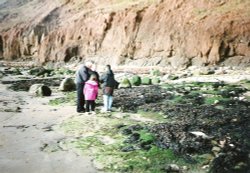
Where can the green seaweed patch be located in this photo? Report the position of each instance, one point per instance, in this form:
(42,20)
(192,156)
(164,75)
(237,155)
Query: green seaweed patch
(110,158)
(139,161)
(152,160)
(69,98)
(155,116)
(100,124)
(245,84)
(168,87)
(146,136)
(177,99)
(216,99)
(85,144)
(190,98)
(100,138)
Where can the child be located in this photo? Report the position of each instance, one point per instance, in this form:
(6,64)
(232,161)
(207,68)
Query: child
(90,92)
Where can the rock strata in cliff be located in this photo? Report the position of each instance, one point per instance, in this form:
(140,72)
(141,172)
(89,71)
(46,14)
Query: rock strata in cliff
(175,33)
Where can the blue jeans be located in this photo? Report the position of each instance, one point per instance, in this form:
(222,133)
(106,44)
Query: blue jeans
(107,101)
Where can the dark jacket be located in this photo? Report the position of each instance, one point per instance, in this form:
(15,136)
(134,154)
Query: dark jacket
(82,75)
(109,82)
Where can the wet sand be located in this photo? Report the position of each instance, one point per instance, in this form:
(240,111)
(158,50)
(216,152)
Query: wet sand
(24,124)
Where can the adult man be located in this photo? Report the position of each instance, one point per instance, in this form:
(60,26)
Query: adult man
(82,75)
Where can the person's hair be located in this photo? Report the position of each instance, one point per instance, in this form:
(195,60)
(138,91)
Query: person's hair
(93,77)
(108,67)
(89,63)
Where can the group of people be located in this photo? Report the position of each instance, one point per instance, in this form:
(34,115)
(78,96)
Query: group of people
(87,85)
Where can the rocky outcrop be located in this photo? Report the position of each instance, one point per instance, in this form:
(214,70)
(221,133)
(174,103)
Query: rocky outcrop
(175,33)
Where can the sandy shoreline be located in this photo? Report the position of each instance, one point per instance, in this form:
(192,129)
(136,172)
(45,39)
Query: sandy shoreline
(23,133)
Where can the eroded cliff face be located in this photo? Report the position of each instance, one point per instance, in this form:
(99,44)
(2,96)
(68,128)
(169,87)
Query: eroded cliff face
(175,33)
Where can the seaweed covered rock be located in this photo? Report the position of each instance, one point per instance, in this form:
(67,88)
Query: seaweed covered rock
(125,83)
(40,71)
(146,81)
(67,84)
(156,81)
(155,72)
(129,99)
(40,90)
(232,159)
(136,80)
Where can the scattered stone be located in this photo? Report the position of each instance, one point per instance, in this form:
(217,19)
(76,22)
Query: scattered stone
(136,127)
(172,168)
(206,71)
(125,83)
(146,81)
(136,80)
(126,131)
(173,77)
(17,126)
(156,81)
(119,126)
(145,145)
(18,109)
(67,84)
(128,149)
(40,90)
(205,167)
(133,138)
(40,71)
(48,128)
(216,150)
(155,72)
(200,134)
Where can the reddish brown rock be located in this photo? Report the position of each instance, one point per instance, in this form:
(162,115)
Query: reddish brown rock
(175,33)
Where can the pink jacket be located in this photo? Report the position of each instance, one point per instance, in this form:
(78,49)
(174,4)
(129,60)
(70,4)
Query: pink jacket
(90,90)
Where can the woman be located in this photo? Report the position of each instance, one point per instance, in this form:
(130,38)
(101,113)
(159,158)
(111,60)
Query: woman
(108,86)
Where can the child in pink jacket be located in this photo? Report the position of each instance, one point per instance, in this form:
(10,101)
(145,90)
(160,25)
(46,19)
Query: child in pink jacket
(90,92)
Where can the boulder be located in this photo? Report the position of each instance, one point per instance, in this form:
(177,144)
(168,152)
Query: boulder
(206,71)
(173,77)
(40,90)
(156,81)
(136,80)
(40,71)
(146,81)
(125,83)
(172,168)
(67,84)
(155,72)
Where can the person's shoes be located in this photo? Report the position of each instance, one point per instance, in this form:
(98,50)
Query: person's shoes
(80,111)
